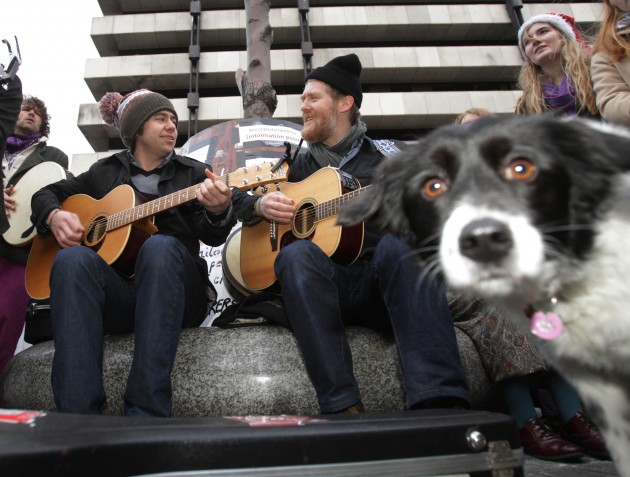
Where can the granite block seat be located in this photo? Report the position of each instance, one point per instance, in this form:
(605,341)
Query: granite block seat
(251,370)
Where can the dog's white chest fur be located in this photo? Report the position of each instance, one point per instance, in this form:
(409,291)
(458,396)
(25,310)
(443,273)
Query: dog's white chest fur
(596,308)
(593,302)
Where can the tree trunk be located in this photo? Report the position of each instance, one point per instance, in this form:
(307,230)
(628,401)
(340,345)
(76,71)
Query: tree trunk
(259,96)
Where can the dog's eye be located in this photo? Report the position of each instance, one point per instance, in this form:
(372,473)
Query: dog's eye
(433,188)
(520,170)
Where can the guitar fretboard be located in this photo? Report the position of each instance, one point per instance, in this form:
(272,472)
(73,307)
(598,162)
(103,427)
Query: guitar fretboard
(331,207)
(126,217)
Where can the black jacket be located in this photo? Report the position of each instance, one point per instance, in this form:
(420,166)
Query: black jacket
(10,103)
(189,222)
(42,153)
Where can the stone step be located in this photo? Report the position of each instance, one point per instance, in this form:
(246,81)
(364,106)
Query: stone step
(251,370)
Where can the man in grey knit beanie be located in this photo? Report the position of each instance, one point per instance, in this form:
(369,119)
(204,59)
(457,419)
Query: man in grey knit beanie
(130,112)
(165,285)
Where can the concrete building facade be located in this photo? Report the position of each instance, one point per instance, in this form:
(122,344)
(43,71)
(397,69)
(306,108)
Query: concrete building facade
(424,61)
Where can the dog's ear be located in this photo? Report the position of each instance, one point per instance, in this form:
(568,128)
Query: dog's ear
(593,155)
(382,201)
(607,142)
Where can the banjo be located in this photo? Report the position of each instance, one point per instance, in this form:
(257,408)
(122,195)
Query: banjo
(21,230)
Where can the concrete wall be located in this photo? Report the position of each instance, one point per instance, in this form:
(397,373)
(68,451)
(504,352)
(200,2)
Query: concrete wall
(424,62)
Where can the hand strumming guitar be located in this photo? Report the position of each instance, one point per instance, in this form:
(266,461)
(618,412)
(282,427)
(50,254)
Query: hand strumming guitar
(276,206)
(66,227)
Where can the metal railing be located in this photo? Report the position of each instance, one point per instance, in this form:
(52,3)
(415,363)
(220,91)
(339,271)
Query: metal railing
(305,37)
(194,54)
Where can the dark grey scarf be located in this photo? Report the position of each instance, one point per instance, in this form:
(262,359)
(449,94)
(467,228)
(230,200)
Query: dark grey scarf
(332,156)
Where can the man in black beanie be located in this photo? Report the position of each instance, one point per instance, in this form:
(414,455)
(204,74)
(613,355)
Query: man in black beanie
(167,286)
(380,289)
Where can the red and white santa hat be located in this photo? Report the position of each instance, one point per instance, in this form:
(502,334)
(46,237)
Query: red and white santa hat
(565,24)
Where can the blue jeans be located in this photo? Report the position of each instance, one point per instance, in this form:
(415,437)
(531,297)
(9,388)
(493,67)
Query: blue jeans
(321,296)
(89,299)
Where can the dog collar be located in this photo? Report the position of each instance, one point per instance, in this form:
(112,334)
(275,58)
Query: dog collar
(547,325)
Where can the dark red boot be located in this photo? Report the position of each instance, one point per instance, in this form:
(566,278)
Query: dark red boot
(541,442)
(581,431)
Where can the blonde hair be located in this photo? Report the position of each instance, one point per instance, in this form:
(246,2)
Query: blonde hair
(479,112)
(576,65)
(609,40)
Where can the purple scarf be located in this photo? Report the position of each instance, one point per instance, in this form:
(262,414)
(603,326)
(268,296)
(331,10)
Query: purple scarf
(17,142)
(561,99)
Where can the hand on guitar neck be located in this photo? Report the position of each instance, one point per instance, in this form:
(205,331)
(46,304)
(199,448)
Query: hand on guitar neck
(214,194)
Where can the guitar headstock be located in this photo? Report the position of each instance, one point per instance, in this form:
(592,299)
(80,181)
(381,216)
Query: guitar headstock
(257,175)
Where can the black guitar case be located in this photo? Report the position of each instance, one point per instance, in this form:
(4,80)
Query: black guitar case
(37,325)
(418,443)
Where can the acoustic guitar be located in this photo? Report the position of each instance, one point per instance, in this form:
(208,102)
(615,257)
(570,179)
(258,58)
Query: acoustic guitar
(116,227)
(318,199)
(21,230)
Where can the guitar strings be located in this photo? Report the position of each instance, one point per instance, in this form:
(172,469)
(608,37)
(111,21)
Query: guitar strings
(319,210)
(119,219)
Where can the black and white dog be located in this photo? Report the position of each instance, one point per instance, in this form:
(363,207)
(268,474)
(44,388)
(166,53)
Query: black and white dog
(532,214)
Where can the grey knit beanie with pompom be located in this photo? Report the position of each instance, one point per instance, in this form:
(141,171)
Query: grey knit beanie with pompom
(128,113)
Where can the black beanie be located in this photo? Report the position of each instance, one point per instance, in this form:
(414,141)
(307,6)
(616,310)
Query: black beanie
(342,73)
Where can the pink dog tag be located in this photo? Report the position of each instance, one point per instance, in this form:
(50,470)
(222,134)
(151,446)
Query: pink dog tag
(546,326)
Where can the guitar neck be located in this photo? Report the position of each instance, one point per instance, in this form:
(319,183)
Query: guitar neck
(148,209)
(331,207)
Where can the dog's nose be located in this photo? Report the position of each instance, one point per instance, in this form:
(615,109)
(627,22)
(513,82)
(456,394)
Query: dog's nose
(485,240)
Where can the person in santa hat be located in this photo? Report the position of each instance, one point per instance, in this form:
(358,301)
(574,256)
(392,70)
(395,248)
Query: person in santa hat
(555,76)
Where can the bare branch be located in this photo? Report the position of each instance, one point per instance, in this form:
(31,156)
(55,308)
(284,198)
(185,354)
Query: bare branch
(259,96)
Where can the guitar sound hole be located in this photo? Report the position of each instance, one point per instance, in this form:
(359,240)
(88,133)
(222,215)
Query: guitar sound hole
(304,220)
(96,231)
